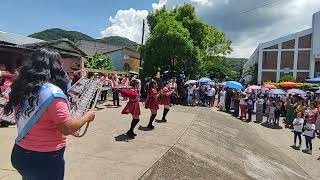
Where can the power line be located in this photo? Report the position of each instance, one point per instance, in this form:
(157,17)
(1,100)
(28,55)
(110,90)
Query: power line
(261,6)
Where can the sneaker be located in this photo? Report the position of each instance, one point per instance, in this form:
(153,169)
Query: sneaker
(164,120)
(299,146)
(309,152)
(150,126)
(293,146)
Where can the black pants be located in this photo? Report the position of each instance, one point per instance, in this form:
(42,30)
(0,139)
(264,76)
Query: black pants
(236,109)
(104,95)
(250,114)
(227,104)
(33,165)
(308,142)
(297,134)
(115,97)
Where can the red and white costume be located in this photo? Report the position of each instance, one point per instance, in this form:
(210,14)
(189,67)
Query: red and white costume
(133,106)
(152,100)
(165,98)
(125,81)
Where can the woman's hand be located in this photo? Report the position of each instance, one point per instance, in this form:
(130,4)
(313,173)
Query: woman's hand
(73,125)
(90,116)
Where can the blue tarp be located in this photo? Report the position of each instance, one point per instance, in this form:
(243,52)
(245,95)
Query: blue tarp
(313,80)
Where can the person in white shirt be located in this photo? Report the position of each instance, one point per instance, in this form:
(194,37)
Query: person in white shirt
(297,129)
(191,89)
(309,134)
(211,94)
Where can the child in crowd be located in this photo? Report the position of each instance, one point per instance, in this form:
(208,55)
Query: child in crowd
(243,107)
(250,107)
(309,134)
(271,115)
(297,127)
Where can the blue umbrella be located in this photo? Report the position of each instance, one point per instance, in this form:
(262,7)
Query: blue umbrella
(313,80)
(234,85)
(297,92)
(277,92)
(204,80)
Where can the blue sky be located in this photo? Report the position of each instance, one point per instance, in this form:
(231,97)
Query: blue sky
(90,17)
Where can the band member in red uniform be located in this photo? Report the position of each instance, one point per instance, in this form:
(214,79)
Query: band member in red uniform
(132,107)
(152,102)
(165,99)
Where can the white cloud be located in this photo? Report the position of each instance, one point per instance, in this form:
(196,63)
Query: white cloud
(159,5)
(256,25)
(126,23)
(202,2)
(245,30)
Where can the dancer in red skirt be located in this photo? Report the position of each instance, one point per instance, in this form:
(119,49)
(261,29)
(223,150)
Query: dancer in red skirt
(132,107)
(152,102)
(165,99)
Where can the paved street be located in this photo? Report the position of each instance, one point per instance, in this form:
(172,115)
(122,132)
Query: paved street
(196,143)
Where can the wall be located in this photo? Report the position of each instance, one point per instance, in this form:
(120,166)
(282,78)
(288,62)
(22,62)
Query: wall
(70,62)
(117,59)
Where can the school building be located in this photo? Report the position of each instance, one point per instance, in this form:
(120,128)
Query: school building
(297,55)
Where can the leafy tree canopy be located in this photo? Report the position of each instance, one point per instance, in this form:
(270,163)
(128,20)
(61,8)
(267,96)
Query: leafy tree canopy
(99,61)
(180,41)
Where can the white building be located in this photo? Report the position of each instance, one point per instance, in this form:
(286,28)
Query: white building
(297,55)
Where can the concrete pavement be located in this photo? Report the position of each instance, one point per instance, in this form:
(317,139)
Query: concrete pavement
(196,143)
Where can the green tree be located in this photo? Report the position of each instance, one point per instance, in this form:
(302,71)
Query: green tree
(169,47)
(179,40)
(288,78)
(99,61)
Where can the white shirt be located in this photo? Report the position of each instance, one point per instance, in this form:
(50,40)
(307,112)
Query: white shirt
(298,124)
(309,130)
(211,92)
(191,90)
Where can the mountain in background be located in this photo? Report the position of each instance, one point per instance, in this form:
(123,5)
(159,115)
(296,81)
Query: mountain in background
(236,64)
(56,33)
(118,41)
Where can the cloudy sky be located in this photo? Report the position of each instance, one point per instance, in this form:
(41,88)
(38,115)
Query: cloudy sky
(245,22)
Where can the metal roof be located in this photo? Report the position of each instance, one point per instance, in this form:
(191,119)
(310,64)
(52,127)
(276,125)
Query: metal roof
(16,39)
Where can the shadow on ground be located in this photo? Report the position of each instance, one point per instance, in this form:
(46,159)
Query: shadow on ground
(123,137)
(271,126)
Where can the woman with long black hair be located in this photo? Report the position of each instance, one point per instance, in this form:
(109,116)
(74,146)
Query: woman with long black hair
(39,101)
(152,102)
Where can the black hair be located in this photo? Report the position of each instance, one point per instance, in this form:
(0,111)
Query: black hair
(151,84)
(44,66)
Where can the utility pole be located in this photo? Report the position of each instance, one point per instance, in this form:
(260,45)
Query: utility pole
(142,39)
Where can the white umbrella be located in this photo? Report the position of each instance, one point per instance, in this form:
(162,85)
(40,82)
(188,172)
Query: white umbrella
(191,82)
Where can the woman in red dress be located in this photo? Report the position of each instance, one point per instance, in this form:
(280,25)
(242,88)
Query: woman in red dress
(152,102)
(165,99)
(132,107)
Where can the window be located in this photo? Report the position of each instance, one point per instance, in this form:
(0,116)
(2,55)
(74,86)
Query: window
(269,76)
(288,44)
(305,41)
(303,60)
(287,59)
(272,47)
(269,60)
(302,76)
